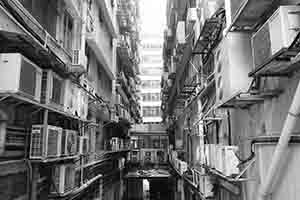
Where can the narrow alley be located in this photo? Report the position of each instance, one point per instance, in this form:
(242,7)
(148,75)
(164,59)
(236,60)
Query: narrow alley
(149,99)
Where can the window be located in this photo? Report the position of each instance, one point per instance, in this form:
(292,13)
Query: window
(67,31)
(151,97)
(151,111)
(151,84)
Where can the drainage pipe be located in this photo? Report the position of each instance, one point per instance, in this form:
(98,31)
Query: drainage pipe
(281,148)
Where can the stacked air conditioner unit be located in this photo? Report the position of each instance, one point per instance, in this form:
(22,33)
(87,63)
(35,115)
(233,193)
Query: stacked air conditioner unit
(45,142)
(206,186)
(161,156)
(63,177)
(69,142)
(219,162)
(192,14)
(277,34)
(233,56)
(118,99)
(20,75)
(183,167)
(231,161)
(53,89)
(115,143)
(121,163)
(180,32)
(134,156)
(222,158)
(87,85)
(71,97)
(83,100)
(148,156)
(212,148)
(79,62)
(203,182)
(83,145)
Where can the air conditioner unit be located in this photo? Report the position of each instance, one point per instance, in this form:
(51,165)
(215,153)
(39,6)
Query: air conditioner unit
(161,156)
(83,145)
(20,75)
(230,161)
(169,32)
(118,99)
(83,101)
(134,156)
(183,167)
(212,155)
(69,142)
(180,32)
(192,14)
(79,61)
(115,144)
(208,187)
(78,176)
(277,34)
(148,156)
(88,86)
(45,142)
(219,158)
(233,62)
(53,89)
(63,177)
(70,97)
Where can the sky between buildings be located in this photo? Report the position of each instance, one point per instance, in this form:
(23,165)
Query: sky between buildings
(153,17)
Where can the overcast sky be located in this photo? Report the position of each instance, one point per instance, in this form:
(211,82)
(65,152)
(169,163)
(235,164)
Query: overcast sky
(153,17)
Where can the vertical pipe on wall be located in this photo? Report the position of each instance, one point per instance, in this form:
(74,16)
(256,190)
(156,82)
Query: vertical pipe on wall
(275,170)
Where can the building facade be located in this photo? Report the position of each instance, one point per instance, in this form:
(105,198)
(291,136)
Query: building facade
(151,69)
(229,88)
(64,123)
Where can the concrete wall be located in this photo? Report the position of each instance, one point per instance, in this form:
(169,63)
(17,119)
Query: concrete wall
(263,119)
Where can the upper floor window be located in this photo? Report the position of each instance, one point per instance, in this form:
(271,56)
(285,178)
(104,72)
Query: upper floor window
(68,30)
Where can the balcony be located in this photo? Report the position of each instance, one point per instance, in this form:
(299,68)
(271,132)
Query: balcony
(99,41)
(249,14)
(27,36)
(209,35)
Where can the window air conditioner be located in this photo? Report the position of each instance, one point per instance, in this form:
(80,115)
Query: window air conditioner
(233,62)
(277,34)
(83,145)
(192,14)
(45,141)
(83,100)
(20,75)
(71,97)
(53,89)
(79,61)
(69,142)
(180,32)
(230,161)
(63,178)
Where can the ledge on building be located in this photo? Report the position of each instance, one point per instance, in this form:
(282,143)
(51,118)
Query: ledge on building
(283,63)
(245,100)
(251,14)
(18,99)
